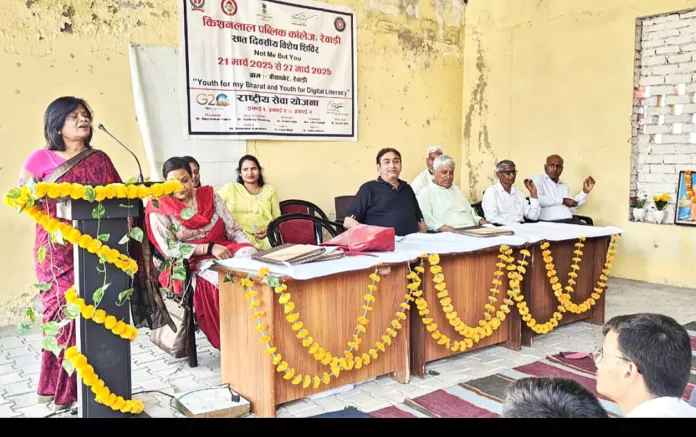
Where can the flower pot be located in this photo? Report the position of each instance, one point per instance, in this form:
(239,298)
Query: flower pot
(659,215)
(638,214)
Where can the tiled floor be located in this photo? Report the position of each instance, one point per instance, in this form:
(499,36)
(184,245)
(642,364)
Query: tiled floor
(155,370)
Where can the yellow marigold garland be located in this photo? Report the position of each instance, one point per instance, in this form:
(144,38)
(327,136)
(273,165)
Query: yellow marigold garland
(348,361)
(564,298)
(488,324)
(125,263)
(515,295)
(98,387)
(20,197)
(288,371)
(89,312)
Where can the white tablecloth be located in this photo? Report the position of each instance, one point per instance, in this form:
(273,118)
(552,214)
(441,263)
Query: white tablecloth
(412,246)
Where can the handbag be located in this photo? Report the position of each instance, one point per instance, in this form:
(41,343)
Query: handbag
(364,238)
(175,343)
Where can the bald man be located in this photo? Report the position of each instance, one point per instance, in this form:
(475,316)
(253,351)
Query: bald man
(554,194)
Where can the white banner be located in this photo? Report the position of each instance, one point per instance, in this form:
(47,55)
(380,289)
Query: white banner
(270,69)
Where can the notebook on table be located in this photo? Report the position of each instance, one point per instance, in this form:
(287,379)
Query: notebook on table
(295,254)
(483,231)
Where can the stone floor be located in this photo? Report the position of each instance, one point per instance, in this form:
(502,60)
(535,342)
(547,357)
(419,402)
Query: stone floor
(155,370)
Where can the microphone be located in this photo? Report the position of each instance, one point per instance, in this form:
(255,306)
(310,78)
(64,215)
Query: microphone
(140,170)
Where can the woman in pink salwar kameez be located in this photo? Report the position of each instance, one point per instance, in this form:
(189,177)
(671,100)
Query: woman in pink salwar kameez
(68,157)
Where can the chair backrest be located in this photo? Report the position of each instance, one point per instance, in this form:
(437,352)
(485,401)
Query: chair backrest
(297,206)
(305,230)
(341,205)
(292,228)
(478,209)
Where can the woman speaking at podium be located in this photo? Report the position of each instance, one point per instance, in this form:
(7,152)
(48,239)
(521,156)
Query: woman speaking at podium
(67,157)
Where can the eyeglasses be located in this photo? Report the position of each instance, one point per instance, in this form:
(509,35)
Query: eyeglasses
(509,172)
(598,354)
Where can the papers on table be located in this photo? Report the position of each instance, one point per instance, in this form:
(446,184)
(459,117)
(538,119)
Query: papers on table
(409,248)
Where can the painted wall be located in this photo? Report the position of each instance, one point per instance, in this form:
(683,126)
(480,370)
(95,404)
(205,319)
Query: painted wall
(555,76)
(410,96)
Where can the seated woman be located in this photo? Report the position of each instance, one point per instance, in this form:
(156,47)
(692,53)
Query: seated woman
(252,202)
(198,218)
(195,170)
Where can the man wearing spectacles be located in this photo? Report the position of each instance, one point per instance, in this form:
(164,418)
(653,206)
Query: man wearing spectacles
(503,204)
(644,365)
(554,194)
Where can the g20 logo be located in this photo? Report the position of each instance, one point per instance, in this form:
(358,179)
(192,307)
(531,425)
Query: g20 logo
(204,99)
(229,7)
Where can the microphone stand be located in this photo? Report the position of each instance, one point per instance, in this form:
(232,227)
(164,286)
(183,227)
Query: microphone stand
(140,170)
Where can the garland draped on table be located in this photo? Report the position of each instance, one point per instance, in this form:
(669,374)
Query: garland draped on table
(492,320)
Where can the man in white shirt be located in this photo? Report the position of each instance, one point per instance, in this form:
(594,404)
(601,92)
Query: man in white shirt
(554,194)
(426,176)
(443,204)
(503,204)
(644,365)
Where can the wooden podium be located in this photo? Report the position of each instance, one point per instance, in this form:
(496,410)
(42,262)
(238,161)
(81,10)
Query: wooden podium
(109,354)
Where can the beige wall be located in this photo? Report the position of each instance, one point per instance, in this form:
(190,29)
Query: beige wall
(556,76)
(410,96)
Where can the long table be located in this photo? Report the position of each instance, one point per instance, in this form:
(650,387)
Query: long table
(329,296)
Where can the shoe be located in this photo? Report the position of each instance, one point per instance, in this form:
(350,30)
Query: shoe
(58,408)
(41,399)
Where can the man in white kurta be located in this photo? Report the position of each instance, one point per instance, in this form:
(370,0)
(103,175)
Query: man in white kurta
(554,194)
(503,204)
(425,177)
(443,204)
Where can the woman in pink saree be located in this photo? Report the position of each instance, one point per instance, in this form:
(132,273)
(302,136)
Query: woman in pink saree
(67,157)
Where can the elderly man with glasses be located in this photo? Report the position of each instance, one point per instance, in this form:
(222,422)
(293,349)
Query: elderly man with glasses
(644,365)
(554,194)
(503,204)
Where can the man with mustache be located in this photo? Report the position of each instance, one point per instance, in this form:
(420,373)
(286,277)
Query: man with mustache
(387,201)
(503,204)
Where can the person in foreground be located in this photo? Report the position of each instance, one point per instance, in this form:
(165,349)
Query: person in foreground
(195,170)
(387,201)
(644,365)
(443,204)
(252,202)
(551,398)
(503,204)
(67,158)
(195,217)
(554,194)
(426,176)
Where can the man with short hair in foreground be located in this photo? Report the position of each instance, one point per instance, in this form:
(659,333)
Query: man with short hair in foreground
(644,365)
(550,398)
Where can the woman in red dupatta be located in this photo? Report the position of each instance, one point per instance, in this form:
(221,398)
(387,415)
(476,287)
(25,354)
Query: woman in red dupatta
(208,227)
(68,158)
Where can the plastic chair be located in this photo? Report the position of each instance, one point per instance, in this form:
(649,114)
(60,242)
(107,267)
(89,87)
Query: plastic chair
(284,229)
